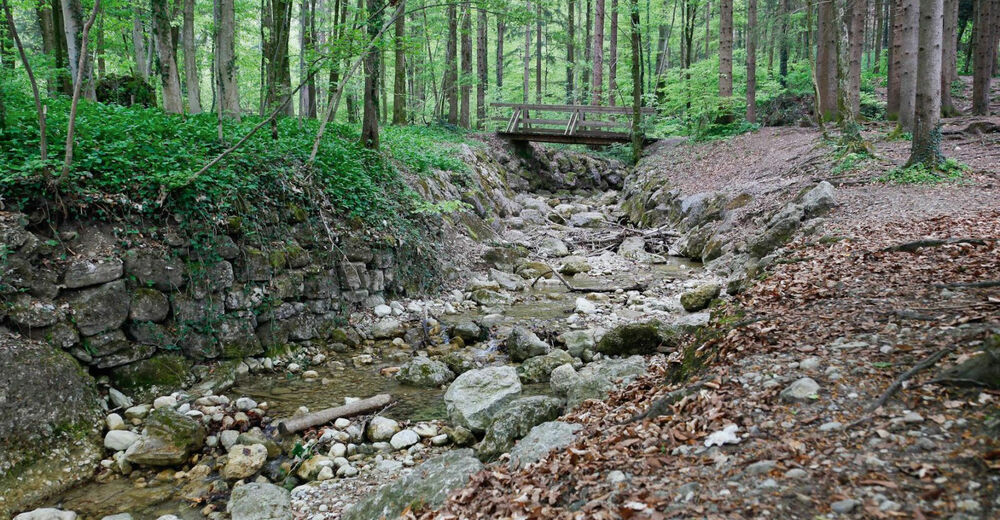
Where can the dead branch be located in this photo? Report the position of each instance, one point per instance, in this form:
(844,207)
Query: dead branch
(662,405)
(370,404)
(910,247)
(928,362)
(968,285)
(636,287)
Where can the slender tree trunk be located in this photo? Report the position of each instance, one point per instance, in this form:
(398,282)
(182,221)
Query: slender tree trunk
(894,59)
(139,46)
(613,55)
(985,56)
(191,60)
(172,102)
(908,64)
(39,109)
(855,22)
(78,83)
(307,48)
(949,56)
(73,23)
(826,60)
(501,29)
(598,52)
(50,45)
(450,83)
(466,77)
(752,61)
(369,121)
(527,58)
(783,43)
(708,25)
(588,48)
(725,48)
(225,59)
(879,31)
(399,78)
(925,146)
(482,68)
(101,62)
(570,58)
(277,25)
(637,136)
(538,52)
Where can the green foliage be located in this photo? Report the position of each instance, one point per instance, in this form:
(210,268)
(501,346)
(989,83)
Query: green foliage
(850,162)
(439,208)
(948,171)
(424,148)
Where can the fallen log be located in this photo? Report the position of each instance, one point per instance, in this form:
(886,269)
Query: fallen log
(910,247)
(371,404)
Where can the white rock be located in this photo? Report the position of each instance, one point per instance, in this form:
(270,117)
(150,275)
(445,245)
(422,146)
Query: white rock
(726,435)
(440,440)
(245,404)
(115,422)
(294,367)
(119,399)
(120,440)
(310,374)
(585,306)
(341,423)
(47,513)
(325,474)
(426,430)
(404,439)
(381,428)
(164,401)
(228,438)
(338,449)
(347,471)
(383,310)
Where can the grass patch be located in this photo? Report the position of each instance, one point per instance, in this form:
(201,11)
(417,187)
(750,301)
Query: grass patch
(948,171)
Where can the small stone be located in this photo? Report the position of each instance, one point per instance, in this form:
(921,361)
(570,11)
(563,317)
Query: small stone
(137,412)
(119,399)
(347,470)
(803,390)
(383,310)
(310,374)
(381,429)
(912,417)
(585,306)
(164,401)
(294,368)
(439,440)
(889,505)
(228,438)
(244,461)
(404,439)
(426,430)
(245,404)
(811,363)
(769,484)
(326,473)
(758,468)
(970,506)
(796,473)
(115,422)
(338,449)
(843,507)
(830,426)
(341,423)
(616,477)
(120,440)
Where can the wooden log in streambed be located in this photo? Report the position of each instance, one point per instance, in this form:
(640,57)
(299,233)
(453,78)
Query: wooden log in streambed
(371,404)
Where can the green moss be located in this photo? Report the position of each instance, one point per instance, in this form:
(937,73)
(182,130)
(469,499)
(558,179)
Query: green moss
(161,370)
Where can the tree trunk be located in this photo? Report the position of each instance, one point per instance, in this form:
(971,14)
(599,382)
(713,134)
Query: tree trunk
(925,148)
(752,61)
(369,121)
(708,23)
(848,41)
(879,31)
(587,49)
(598,53)
(278,15)
(225,59)
(538,52)
(450,84)
(139,46)
(73,24)
(949,56)
(570,58)
(985,55)
(172,102)
(307,48)
(783,43)
(894,59)
(826,60)
(637,136)
(482,68)
(908,64)
(855,22)
(613,55)
(191,60)
(726,48)
(399,78)
(501,28)
(101,62)
(53,45)
(526,87)
(466,77)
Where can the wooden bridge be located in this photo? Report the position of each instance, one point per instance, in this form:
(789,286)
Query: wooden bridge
(587,124)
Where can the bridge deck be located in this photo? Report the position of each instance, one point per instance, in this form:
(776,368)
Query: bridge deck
(587,124)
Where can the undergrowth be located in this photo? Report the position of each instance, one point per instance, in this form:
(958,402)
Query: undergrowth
(948,171)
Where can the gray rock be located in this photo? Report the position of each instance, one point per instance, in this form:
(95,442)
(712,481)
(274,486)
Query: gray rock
(587,219)
(29,312)
(552,247)
(243,461)
(100,308)
(170,438)
(523,344)
(477,395)
(577,341)
(120,440)
(699,297)
(490,298)
(388,328)
(150,269)
(119,516)
(802,390)
(818,200)
(47,513)
(842,507)
(468,331)
(404,439)
(381,429)
(515,421)
(421,371)
(85,273)
(562,378)
(600,377)
(541,440)
(506,281)
(538,368)
(760,467)
(638,338)
(428,484)
(259,501)
(573,265)
(148,305)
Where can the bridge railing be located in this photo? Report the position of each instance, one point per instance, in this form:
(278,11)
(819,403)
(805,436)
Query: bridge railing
(566,122)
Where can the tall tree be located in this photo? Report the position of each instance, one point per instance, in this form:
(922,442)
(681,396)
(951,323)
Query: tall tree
(139,45)
(826,59)
(570,58)
(167,59)
(908,63)
(501,29)
(482,67)
(369,121)
(987,15)
(894,59)
(538,51)
(449,85)
(191,60)
(50,25)
(726,48)
(854,20)
(752,61)
(783,42)
(637,136)
(879,26)
(598,52)
(949,56)
(276,25)
(527,57)
(72,15)
(226,86)
(307,51)
(613,55)
(925,147)
(466,77)
(399,78)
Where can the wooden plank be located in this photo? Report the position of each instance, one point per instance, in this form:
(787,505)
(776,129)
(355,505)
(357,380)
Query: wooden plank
(581,108)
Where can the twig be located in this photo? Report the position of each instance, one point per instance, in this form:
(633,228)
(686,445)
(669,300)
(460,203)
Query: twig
(973,285)
(936,242)
(928,362)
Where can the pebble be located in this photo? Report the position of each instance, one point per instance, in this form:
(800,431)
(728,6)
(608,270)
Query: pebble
(616,477)
(310,374)
(811,363)
(830,426)
(761,467)
(338,450)
(115,422)
(769,484)
(294,367)
(844,506)
(164,401)
(585,306)
(245,404)
(383,310)
(326,473)
(228,438)
(439,440)
(137,412)
(341,423)
(889,505)
(802,390)
(119,399)
(426,430)
(347,471)
(796,473)
(912,417)
(120,440)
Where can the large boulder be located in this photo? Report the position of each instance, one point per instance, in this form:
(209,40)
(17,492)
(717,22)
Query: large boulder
(541,440)
(388,328)
(84,273)
(259,501)
(818,200)
(429,484)
(573,264)
(523,344)
(169,438)
(538,368)
(698,298)
(578,341)
(600,377)
(100,308)
(552,247)
(638,338)
(515,421)
(587,219)
(477,395)
(422,371)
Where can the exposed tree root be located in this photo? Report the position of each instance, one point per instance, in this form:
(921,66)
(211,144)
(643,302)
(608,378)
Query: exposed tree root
(928,362)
